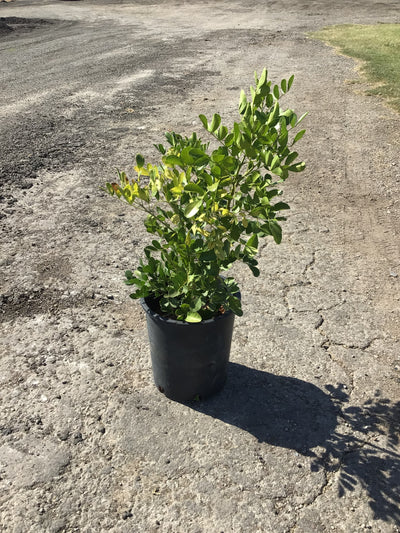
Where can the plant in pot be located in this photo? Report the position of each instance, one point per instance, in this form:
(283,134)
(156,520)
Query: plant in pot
(208,208)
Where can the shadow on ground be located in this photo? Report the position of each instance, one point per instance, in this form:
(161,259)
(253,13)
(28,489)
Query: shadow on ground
(291,413)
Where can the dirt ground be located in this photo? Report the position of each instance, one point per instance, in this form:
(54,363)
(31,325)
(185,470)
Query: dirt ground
(305,436)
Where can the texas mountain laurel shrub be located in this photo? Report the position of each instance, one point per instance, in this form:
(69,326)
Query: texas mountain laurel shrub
(210,208)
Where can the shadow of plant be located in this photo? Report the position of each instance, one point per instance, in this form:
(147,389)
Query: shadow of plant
(354,452)
(291,413)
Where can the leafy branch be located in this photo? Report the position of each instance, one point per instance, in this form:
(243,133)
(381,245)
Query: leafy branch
(209,210)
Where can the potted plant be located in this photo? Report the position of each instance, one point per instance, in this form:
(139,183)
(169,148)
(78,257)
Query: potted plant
(207,208)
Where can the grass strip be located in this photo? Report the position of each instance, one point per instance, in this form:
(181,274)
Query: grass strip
(378,48)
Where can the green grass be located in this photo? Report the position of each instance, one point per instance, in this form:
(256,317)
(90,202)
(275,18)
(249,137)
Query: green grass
(378,48)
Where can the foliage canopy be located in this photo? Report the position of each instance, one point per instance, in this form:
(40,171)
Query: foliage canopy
(209,209)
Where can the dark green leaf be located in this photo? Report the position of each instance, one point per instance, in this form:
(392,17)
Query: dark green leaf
(235,232)
(299,167)
(169,137)
(160,148)
(255,270)
(290,158)
(208,256)
(279,206)
(235,305)
(276,231)
(139,160)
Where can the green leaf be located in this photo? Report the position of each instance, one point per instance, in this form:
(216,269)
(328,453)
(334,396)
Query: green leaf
(263,78)
(290,158)
(128,274)
(275,162)
(276,231)
(193,187)
(237,133)
(273,116)
(242,102)
(201,161)
(193,208)
(186,156)
(169,137)
(277,171)
(208,256)
(139,160)
(235,232)
(193,317)
(279,206)
(250,151)
(172,160)
(276,92)
(290,81)
(235,305)
(293,120)
(284,85)
(160,148)
(301,118)
(216,171)
(255,270)
(299,167)
(216,121)
(217,157)
(222,133)
(204,121)
(213,187)
(299,136)
(229,139)
(252,243)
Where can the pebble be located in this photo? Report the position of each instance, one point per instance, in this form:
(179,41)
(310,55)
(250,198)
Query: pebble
(63,434)
(78,437)
(101,429)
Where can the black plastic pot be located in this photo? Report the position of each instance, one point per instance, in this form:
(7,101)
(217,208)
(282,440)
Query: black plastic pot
(189,360)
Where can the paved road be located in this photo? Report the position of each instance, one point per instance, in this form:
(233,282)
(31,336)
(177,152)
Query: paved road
(304,438)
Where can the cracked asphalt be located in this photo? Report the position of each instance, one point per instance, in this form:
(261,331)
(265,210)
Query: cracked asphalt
(305,436)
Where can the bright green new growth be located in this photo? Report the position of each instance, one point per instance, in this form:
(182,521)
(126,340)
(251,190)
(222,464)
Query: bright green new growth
(210,210)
